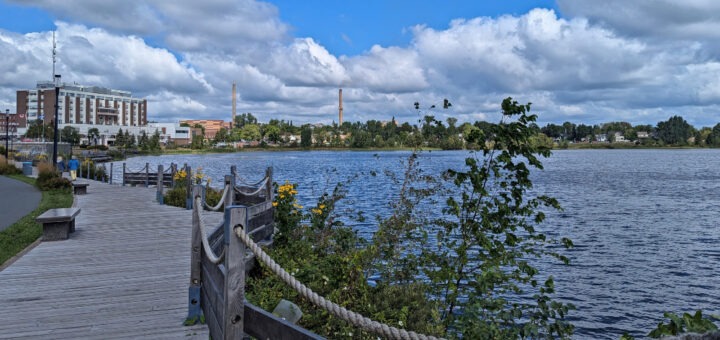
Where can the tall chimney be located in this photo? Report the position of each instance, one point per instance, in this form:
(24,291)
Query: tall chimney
(340,109)
(234,105)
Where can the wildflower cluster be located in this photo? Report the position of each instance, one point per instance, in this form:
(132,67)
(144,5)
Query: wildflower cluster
(181,177)
(288,212)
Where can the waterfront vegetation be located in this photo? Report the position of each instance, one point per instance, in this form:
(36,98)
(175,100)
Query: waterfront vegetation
(26,231)
(467,272)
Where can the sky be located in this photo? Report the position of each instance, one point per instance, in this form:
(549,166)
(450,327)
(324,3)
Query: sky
(583,61)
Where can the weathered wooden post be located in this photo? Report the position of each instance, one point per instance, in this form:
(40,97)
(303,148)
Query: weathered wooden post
(88,170)
(160,184)
(194,310)
(234,309)
(188,186)
(230,197)
(112,165)
(123,175)
(147,175)
(269,184)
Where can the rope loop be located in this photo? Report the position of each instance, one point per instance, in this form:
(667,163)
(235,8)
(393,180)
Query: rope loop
(203,234)
(220,203)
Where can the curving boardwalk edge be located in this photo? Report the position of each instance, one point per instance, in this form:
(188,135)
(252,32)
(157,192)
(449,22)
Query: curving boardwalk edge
(123,274)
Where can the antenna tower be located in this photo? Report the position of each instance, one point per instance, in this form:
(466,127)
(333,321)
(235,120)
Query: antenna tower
(54,54)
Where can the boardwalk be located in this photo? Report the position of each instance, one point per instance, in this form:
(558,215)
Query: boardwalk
(123,274)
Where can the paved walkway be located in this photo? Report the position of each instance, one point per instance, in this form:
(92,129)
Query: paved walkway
(17,199)
(123,274)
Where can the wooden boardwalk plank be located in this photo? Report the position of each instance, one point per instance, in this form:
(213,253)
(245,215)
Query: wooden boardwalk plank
(123,274)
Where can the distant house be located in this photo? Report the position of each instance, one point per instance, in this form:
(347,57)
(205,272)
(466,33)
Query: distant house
(601,137)
(643,134)
(619,138)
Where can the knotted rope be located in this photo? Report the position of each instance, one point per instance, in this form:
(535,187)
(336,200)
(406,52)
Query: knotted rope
(337,310)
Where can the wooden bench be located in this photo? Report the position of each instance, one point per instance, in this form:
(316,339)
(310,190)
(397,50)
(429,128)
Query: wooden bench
(80,188)
(58,223)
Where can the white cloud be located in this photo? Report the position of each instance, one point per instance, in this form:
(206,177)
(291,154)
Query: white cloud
(637,61)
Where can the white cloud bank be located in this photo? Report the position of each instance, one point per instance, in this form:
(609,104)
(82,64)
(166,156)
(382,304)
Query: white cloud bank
(602,61)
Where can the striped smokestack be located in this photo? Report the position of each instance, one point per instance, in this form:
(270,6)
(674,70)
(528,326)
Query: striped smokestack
(340,109)
(234,103)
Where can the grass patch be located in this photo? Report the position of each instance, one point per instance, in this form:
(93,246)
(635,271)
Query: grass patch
(25,231)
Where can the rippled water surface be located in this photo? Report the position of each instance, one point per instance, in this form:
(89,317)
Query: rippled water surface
(644,222)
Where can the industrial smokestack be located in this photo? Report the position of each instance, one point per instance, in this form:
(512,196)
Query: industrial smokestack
(340,109)
(234,105)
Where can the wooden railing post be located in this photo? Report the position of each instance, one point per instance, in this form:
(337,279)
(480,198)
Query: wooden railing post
(147,175)
(194,310)
(160,184)
(269,184)
(189,185)
(87,175)
(112,165)
(123,175)
(230,197)
(173,170)
(235,217)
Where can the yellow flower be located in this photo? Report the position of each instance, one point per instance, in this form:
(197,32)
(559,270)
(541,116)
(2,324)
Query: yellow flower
(275,204)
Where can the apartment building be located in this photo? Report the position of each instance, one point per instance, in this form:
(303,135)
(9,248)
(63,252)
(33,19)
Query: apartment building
(84,107)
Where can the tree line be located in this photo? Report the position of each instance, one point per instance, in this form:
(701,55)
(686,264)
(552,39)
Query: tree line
(449,135)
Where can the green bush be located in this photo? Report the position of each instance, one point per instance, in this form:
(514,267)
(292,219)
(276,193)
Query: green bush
(49,179)
(176,197)
(687,323)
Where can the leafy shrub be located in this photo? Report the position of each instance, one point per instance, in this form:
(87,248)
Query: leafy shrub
(330,258)
(688,323)
(176,197)
(212,196)
(49,179)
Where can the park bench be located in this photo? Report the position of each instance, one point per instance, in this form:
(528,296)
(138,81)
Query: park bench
(58,223)
(80,188)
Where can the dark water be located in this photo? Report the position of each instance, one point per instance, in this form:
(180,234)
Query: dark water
(644,222)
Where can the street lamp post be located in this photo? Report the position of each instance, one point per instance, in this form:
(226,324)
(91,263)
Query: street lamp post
(7,134)
(55,137)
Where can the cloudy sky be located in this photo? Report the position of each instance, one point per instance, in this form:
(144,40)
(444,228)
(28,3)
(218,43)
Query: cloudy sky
(583,61)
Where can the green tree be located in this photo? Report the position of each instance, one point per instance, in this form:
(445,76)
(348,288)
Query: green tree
(221,136)
(70,134)
(478,264)
(143,142)
(120,139)
(272,132)
(154,142)
(306,136)
(675,131)
(250,132)
(713,139)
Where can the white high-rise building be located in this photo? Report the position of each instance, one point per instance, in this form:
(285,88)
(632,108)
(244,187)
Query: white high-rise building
(85,107)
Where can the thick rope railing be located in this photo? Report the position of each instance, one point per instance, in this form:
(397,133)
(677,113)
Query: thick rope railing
(203,234)
(258,190)
(220,202)
(240,179)
(337,310)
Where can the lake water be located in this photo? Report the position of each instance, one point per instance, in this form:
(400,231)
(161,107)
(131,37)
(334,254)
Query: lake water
(644,222)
